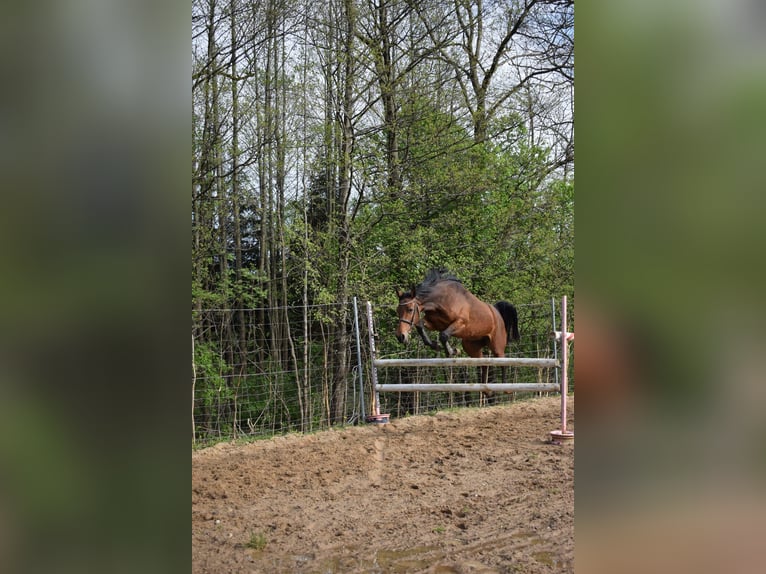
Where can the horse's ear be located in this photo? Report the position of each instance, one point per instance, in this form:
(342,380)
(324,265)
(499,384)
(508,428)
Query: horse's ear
(412,291)
(398,294)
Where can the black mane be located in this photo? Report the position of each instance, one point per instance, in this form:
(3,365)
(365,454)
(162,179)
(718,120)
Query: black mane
(433,277)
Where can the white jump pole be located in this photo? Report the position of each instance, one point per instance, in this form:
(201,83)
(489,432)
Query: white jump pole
(468,362)
(478,387)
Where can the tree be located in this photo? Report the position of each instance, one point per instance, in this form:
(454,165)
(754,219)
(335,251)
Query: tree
(512,44)
(345,147)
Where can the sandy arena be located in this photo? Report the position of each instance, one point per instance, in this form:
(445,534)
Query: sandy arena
(475,491)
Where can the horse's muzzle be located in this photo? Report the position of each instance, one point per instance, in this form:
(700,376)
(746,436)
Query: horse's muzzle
(402,337)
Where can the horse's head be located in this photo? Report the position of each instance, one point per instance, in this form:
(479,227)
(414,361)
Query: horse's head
(407,311)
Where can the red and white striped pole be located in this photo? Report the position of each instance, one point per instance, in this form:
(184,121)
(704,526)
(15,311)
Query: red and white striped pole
(564,365)
(562,435)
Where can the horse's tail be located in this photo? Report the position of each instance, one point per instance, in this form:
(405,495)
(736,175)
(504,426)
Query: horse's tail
(511,320)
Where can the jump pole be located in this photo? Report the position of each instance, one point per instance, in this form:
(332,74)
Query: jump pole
(471,387)
(359,361)
(468,362)
(563,435)
(375,417)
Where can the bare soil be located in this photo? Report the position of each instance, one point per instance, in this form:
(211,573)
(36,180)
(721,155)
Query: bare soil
(475,491)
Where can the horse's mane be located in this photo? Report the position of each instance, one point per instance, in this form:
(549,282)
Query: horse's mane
(433,277)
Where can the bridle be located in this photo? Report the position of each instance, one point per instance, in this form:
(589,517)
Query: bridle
(415,308)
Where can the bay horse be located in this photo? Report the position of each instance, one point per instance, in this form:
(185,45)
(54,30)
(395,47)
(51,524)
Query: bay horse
(441,303)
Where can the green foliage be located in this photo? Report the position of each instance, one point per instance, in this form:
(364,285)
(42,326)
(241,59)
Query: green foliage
(495,216)
(210,365)
(211,386)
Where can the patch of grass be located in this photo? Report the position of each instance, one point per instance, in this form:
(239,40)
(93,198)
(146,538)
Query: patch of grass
(257,541)
(246,439)
(439,530)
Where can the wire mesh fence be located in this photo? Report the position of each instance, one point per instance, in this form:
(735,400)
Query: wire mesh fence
(268,371)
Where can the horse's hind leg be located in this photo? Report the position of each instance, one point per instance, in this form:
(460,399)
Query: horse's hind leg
(491,396)
(473,349)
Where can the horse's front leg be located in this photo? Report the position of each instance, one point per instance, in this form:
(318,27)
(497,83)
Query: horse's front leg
(444,338)
(424,335)
(454,329)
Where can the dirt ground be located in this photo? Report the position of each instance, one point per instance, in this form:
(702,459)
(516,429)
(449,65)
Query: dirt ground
(476,491)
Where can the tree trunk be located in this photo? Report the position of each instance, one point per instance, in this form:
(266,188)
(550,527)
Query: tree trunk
(340,381)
